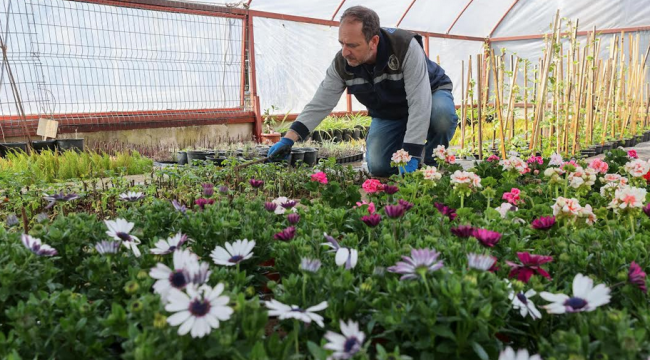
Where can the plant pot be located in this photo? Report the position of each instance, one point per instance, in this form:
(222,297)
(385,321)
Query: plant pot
(347,135)
(196,155)
(587,153)
(70,144)
(311,156)
(629,142)
(356,133)
(41,145)
(6,148)
(270,139)
(181,158)
(297,156)
(337,135)
(316,136)
(646,136)
(638,138)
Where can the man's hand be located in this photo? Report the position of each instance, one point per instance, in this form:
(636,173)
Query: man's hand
(412,165)
(281,150)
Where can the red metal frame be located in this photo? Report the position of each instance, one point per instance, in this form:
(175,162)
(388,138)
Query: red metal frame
(302,19)
(458,17)
(426,45)
(503,17)
(405,12)
(580,33)
(173,6)
(337,9)
(243,64)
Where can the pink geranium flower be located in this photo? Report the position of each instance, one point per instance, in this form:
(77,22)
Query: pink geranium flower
(599,165)
(632,154)
(372,186)
(371,206)
(320,176)
(531,265)
(513,196)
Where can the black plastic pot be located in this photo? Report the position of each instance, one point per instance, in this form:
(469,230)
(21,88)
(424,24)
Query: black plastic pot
(638,138)
(297,156)
(347,135)
(629,142)
(338,135)
(70,144)
(41,145)
(6,148)
(356,133)
(196,155)
(311,156)
(316,136)
(181,158)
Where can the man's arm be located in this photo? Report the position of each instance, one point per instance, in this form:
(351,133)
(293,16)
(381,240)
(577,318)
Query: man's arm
(418,95)
(326,97)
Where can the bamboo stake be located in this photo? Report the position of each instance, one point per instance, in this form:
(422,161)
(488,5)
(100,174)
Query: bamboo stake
(510,113)
(576,119)
(497,105)
(479,77)
(471,94)
(462,104)
(526,100)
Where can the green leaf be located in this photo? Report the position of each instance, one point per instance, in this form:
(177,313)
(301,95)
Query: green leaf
(316,351)
(478,349)
(444,331)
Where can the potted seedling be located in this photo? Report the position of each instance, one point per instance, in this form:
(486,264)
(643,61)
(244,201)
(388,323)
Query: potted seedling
(270,136)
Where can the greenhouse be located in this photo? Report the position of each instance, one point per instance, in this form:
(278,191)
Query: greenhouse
(334,179)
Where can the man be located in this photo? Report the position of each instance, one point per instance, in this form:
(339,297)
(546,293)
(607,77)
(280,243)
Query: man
(407,95)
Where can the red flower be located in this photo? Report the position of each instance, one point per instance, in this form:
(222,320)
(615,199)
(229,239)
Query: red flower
(636,276)
(372,186)
(647,177)
(320,176)
(531,265)
(371,220)
(486,237)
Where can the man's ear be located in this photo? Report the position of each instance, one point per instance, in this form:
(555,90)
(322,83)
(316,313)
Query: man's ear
(374,42)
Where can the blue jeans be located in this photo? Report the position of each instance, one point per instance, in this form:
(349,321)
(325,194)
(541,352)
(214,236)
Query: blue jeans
(386,136)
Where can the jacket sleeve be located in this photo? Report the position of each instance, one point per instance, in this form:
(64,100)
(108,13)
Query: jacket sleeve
(326,97)
(418,95)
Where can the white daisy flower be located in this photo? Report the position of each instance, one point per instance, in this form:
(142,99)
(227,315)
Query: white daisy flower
(586,297)
(199,310)
(119,230)
(308,315)
(522,354)
(37,247)
(187,270)
(504,208)
(344,256)
(131,196)
(108,247)
(346,345)
(480,262)
(169,245)
(234,253)
(521,301)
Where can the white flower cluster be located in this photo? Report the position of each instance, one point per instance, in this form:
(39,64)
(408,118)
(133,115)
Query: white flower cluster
(401,157)
(431,173)
(570,208)
(515,163)
(465,179)
(581,177)
(444,154)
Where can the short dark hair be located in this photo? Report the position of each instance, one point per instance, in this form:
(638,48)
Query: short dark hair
(367,17)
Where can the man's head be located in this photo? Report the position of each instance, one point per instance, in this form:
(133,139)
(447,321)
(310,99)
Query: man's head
(359,35)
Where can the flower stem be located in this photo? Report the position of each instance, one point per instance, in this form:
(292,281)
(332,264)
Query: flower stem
(462,200)
(297,330)
(632,224)
(304,287)
(426,283)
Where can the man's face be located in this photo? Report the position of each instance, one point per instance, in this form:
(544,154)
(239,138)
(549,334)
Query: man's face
(355,49)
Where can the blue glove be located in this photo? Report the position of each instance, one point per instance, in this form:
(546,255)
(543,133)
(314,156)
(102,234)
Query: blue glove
(411,166)
(281,150)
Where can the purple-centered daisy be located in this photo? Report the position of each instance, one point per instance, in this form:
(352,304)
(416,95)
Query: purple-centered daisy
(256,183)
(60,197)
(37,247)
(636,276)
(310,265)
(390,189)
(422,261)
(270,207)
(108,247)
(131,196)
(405,204)
(293,218)
(446,210)
(531,265)
(179,207)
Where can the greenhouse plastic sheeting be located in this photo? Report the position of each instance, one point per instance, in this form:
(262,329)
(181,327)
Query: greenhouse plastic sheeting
(536,16)
(452,53)
(291,59)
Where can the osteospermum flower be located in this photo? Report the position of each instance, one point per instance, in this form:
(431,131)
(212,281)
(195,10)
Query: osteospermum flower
(486,237)
(310,265)
(504,209)
(421,262)
(344,256)
(543,223)
(462,231)
(531,264)
(199,310)
(405,204)
(522,354)
(202,203)
(256,183)
(234,253)
(521,301)
(446,210)
(390,189)
(586,297)
(37,247)
(60,197)
(12,220)
(308,315)
(208,189)
(293,218)
(187,270)
(347,344)
(119,230)
(131,196)
(282,203)
(480,262)
(179,207)
(371,220)
(169,245)
(108,247)
(270,207)
(286,234)
(394,211)
(636,276)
